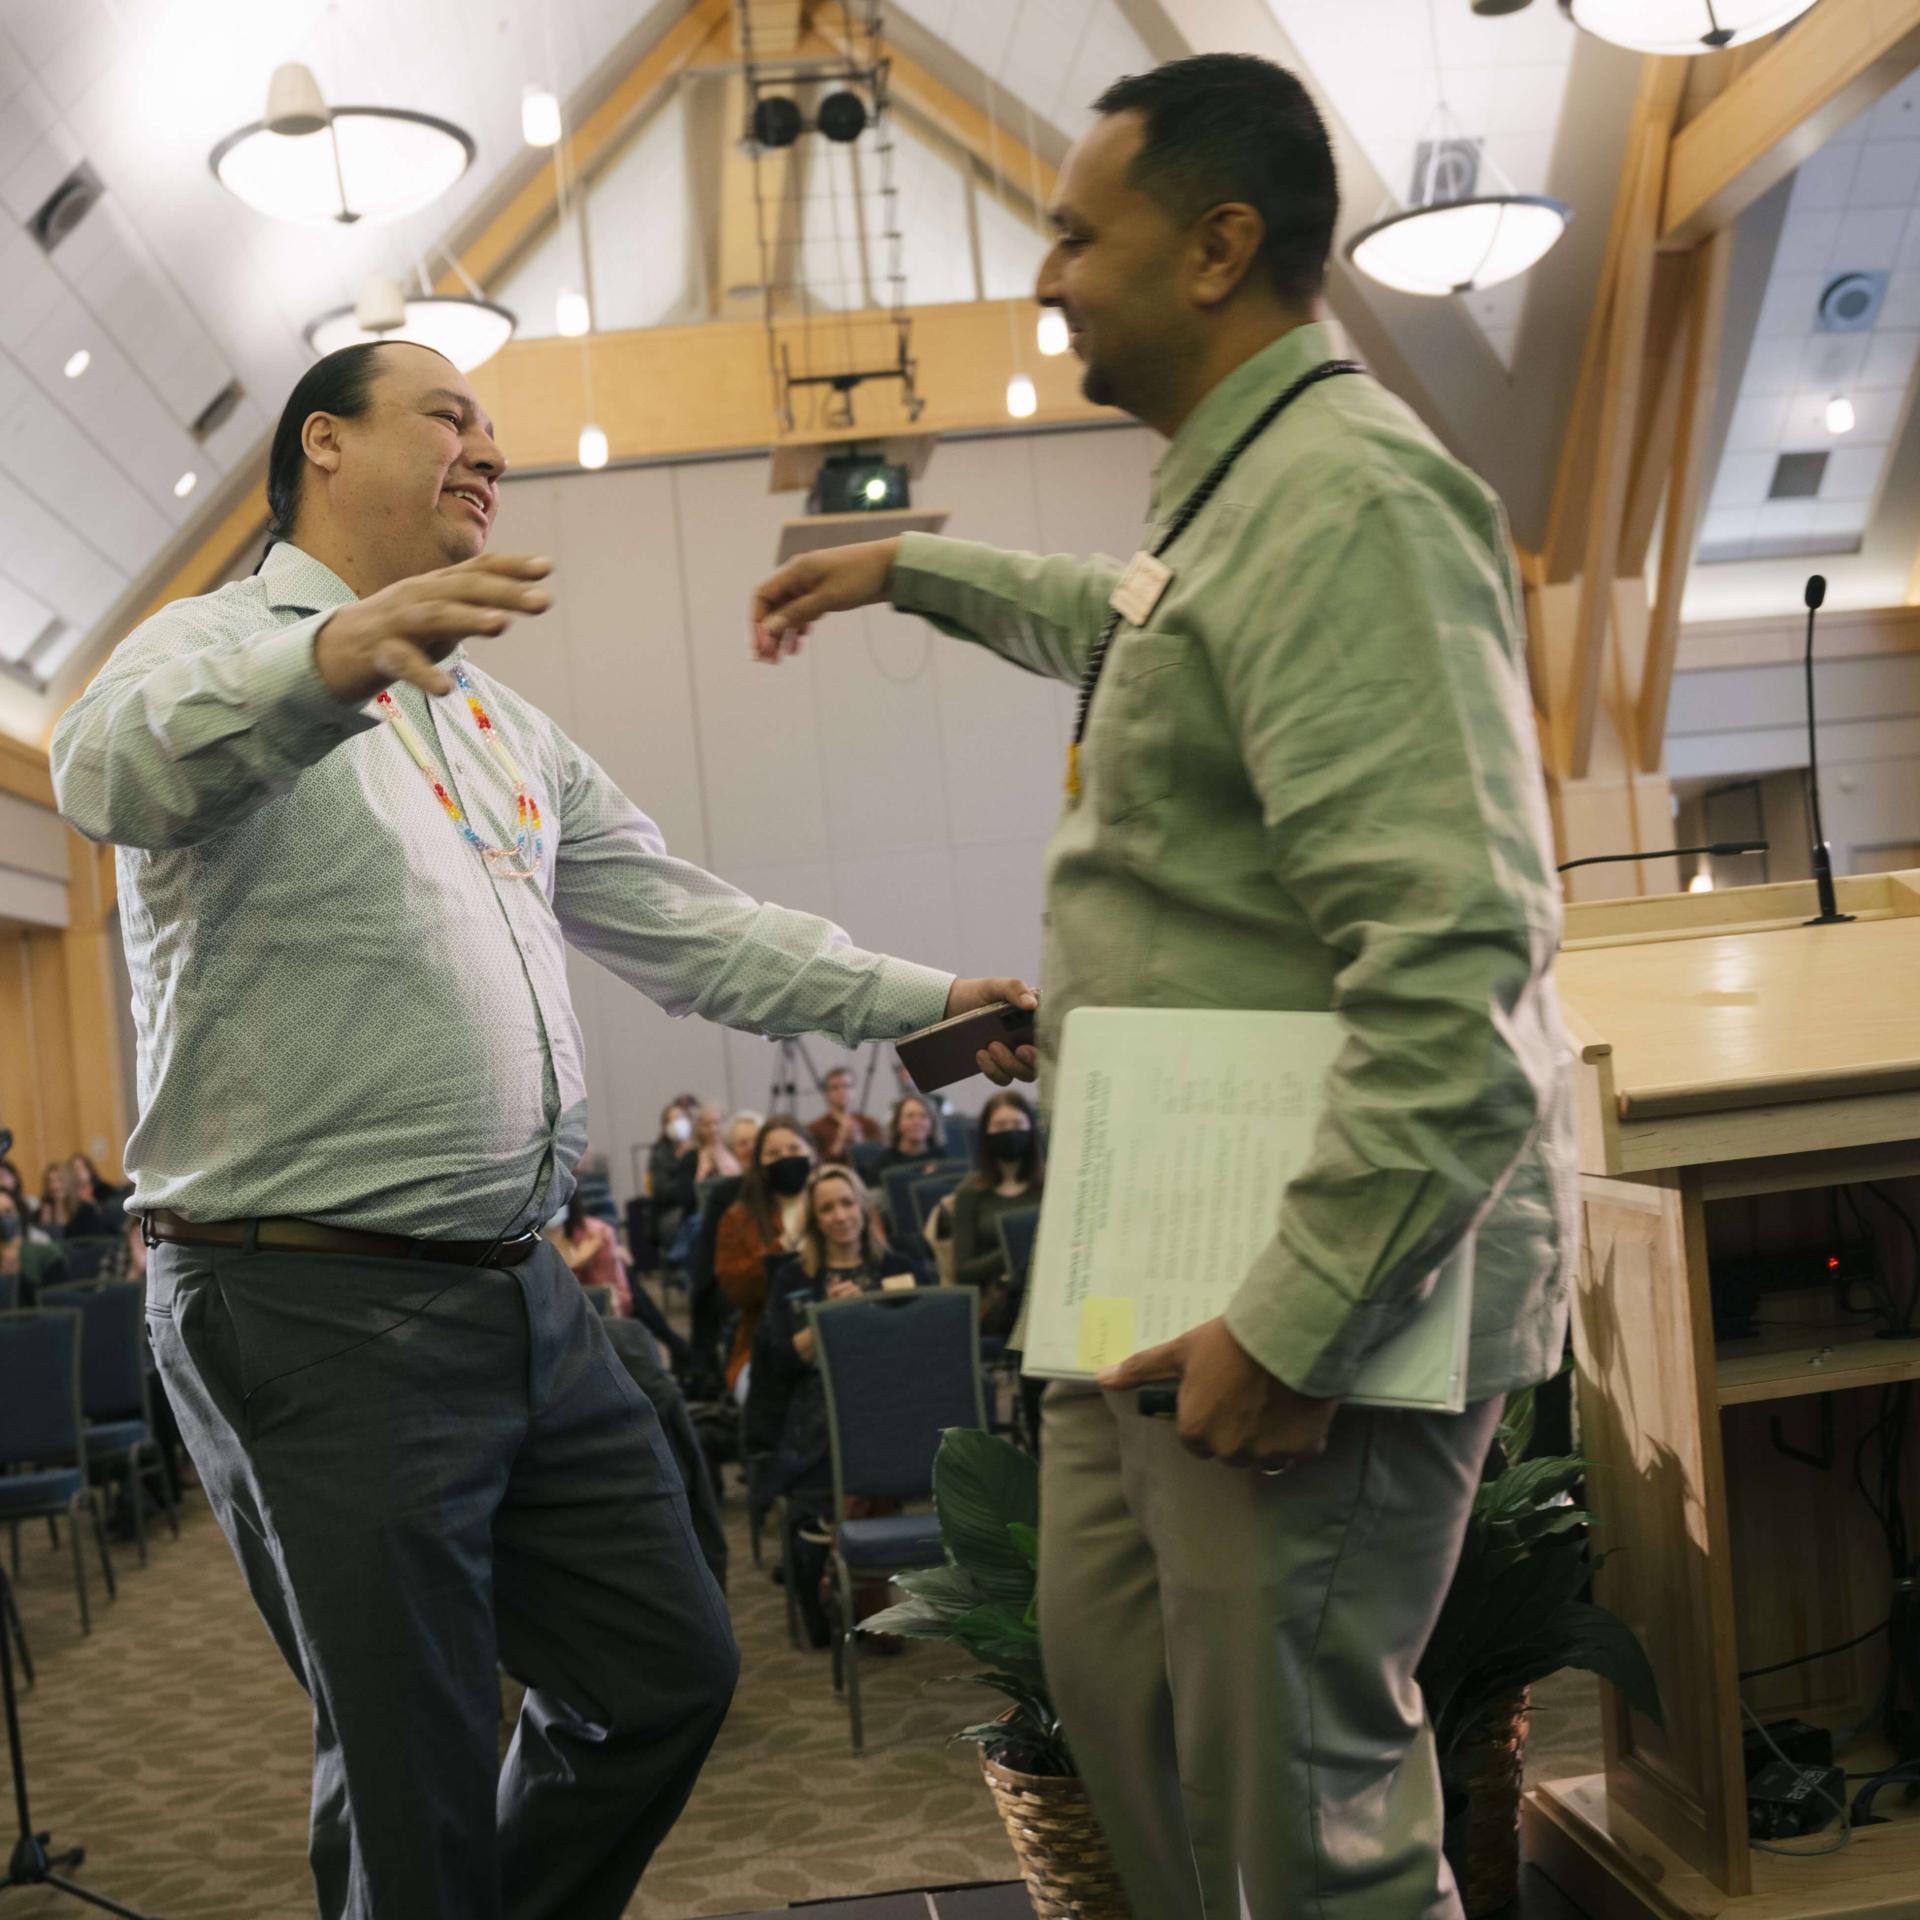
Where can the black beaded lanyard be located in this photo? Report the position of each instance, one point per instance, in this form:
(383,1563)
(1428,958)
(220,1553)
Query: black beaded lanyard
(1189,512)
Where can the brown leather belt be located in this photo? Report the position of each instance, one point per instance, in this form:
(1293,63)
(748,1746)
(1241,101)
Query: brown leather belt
(309,1236)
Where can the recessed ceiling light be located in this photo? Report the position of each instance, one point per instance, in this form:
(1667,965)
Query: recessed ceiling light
(78,363)
(1839,414)
(185,485)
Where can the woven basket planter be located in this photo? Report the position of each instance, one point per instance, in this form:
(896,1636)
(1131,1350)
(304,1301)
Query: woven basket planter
(1486,1858)
(1063,1855)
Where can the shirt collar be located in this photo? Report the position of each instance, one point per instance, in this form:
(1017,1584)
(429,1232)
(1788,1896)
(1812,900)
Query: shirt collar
(1232,407)
(298,583)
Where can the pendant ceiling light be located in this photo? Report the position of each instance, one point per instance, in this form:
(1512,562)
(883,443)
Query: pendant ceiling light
(1682,26)
(1455,238)
(467,329)
(318,165)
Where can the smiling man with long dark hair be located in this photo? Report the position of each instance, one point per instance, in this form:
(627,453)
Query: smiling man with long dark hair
(350,862)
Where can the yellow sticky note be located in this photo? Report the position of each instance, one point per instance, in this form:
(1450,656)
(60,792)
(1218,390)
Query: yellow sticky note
(1106,1332)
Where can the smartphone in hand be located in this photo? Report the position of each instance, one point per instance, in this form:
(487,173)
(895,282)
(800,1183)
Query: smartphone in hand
(938,1056)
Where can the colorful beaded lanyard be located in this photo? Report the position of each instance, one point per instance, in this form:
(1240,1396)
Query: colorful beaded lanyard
(521,861)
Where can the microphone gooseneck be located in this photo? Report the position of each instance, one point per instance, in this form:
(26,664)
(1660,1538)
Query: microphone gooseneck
(1829,914)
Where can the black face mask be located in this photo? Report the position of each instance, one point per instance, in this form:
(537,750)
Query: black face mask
(788,1175)
(1010,1143)
(9,1226)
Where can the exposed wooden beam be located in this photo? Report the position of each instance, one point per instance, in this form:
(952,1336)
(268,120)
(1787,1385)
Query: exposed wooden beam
(1837,60)
(1655,104)
(1659,412)
(663,392)
(597,137)
(1700,366)
(769,29)
(1618,408)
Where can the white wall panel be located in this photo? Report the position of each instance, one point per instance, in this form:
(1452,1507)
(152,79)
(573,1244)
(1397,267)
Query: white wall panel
(898,783)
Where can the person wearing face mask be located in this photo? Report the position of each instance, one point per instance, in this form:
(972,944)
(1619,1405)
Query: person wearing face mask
(767,1219)
(670,1166)
(1009,1181)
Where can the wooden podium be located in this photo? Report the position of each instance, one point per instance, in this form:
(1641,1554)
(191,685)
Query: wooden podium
(1748,1085)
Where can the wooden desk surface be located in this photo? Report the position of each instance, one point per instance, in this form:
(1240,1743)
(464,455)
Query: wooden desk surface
(1702,1021)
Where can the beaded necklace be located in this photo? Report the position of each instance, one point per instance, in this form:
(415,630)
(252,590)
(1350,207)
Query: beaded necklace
(521,861)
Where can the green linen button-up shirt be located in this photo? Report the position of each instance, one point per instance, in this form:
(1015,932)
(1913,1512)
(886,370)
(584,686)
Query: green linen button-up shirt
(1311,782)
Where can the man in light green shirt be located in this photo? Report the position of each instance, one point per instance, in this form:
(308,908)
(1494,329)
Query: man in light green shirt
(1308,780)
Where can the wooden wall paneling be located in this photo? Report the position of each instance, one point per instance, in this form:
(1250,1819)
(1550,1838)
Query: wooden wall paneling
(21,1105)
(1649,1420)
(1687,489)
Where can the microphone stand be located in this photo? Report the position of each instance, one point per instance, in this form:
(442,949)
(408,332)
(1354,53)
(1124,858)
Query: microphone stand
(1829,914)
(32,1865)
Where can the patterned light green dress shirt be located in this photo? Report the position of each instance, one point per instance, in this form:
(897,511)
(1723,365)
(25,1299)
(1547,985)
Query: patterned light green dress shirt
(343,1014)
(1312,782)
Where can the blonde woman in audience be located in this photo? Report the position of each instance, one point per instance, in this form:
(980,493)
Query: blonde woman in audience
(767,1219)
(713,1158)
(742,1130)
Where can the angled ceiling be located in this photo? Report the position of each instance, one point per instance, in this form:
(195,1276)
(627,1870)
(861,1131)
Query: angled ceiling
(176,290)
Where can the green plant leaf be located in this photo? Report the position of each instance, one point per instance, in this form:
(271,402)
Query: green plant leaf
(1026,1541)
(982,1487)
(952,1589)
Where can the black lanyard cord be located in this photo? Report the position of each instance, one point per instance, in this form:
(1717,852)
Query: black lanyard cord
(1189,511)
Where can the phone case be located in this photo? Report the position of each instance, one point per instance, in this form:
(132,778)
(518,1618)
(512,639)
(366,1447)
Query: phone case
(938,1056)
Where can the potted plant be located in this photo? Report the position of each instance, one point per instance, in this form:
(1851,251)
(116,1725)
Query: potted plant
(987,1494)
(1513,1615)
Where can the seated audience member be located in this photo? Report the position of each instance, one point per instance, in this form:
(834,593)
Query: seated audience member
(27,1254)
(834,1133)
(765,1220)
(670,1166)
(713,1158)
(12,1183)
(742,1130)
(842,1251)
(913,1134)
(91,1190)
(592,1253)
(62,1210)
(1009,1180)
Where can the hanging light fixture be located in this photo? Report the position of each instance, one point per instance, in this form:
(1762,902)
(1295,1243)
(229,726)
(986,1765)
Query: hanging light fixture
(539,117)
(1454,238)
(571,315)
(1022,401)
(1682,26)
(466,328)
(1052,333)
(593,448)
(318,165)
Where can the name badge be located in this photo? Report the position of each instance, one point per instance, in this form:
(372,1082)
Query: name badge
(1140,588)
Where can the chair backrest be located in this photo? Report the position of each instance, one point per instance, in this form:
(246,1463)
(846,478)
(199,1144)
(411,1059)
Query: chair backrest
(898,1183)
(9,1292)
(963,1138)
(40,1416)
(869,1157)
(1017,1234)
(897,1369)
(113,1343)
(928,1193)
(86,1255)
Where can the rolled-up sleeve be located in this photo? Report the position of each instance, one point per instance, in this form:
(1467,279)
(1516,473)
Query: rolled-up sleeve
(1384,721)
(1042,612)
(186,731)
(695,945)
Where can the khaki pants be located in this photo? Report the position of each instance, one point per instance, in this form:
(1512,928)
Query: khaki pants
(1233,1656)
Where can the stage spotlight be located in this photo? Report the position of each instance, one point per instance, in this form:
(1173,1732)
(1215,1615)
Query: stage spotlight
(776,121)
(842,117)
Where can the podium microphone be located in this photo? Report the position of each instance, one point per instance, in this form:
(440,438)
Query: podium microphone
(1829,914)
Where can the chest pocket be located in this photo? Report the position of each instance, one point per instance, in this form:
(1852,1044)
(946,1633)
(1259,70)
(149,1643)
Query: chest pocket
(1134,726)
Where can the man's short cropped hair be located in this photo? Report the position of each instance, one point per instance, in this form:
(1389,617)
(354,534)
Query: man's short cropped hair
(1231,126)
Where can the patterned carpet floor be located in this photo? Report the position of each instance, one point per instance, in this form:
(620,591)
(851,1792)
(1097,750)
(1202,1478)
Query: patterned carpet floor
(173,1743)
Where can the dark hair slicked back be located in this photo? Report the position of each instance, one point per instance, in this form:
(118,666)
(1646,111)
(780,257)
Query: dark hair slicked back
(339,383)
(1231,126)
